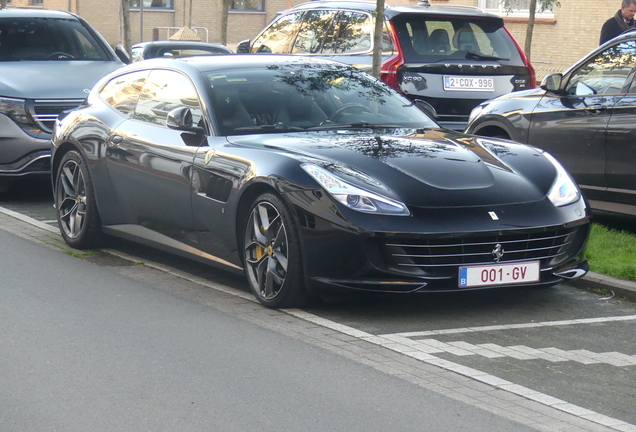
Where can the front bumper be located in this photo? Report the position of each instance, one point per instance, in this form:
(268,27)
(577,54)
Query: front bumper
(425,254)
(21,153)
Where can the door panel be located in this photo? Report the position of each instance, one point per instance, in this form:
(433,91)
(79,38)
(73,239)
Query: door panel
(573,126)
(620,152)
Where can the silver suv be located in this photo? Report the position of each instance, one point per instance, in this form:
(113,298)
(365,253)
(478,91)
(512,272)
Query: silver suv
(49,60)
(453,57)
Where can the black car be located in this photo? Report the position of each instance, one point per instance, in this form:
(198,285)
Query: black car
(312,177)
(453,57)
(176,49)
(49,61)
(585,117)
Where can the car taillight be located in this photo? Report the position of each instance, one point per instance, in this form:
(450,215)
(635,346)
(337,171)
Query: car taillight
(389,68)
(526,62)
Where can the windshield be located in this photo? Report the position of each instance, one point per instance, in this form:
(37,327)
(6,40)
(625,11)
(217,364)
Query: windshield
(435,39)
(307,96)
(23,39)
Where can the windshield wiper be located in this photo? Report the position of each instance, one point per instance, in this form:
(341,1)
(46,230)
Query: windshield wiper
(268,128)
(473,54)
(362,125)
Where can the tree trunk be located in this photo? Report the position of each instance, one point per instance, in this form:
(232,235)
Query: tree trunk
(378,32)
(531,11)
(224,15)
(125,19)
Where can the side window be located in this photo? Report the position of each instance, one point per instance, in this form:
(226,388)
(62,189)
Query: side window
(355,33)
(164,91)
(605,73)
(123,92)
(276,38)
(315,26)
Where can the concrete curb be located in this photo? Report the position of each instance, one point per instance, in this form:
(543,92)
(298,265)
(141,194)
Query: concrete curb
(620,287)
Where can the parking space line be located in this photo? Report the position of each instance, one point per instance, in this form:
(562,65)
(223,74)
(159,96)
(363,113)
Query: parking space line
(516,326)
(400,342)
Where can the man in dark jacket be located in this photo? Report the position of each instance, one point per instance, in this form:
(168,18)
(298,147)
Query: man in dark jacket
(623,20)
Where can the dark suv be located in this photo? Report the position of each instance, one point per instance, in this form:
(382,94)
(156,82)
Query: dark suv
(453,57)
(49,60)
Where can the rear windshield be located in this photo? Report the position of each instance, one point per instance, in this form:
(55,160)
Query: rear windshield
(23,39)
(434,39)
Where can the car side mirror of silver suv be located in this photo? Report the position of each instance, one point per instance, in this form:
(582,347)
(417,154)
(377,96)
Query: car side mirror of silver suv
(122,54)
(243,46)
(552,82)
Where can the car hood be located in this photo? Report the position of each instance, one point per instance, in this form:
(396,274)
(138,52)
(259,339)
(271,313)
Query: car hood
(428,168)
(52,79)
(531,94)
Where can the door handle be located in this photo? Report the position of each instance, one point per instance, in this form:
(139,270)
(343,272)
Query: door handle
(116,139)
(597,108)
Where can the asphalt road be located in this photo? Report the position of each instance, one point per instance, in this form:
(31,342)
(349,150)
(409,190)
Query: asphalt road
(568,351)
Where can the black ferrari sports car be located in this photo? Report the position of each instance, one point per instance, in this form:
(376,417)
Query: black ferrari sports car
(312,178)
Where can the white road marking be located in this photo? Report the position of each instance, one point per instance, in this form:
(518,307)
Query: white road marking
(518,326)
(417,349)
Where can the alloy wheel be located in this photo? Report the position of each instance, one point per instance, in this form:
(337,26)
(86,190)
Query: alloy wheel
(71,199)
(266,250)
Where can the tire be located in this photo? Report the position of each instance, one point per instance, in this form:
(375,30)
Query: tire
(272,254)
(77,214)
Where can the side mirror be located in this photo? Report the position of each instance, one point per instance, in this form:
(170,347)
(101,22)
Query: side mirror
(243,46)
(181,119)
(426,108)
(552,82)
(122,54)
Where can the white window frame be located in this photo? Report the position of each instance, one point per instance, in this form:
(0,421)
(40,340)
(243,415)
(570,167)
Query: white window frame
(519,13)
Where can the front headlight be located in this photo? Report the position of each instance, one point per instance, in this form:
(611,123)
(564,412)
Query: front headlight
(354,197)
(563,191)
(15,109)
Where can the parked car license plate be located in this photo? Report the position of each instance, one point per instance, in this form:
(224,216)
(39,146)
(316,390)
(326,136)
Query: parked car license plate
(468,83)
(499,274)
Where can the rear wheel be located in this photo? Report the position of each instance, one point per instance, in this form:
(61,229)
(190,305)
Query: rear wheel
(272,254)
(77,213)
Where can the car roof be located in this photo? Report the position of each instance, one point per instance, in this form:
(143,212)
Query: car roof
(230,61)
(391,11)
(19,12)
(169,43)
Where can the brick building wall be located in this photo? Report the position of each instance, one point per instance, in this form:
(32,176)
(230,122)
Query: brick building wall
(556,43)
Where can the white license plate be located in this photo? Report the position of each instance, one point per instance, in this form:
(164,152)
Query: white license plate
(468,83)
(499,274)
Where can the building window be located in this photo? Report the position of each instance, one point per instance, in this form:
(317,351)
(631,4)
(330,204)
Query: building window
(33,2)
(247,5)
(514,8)
(153,4)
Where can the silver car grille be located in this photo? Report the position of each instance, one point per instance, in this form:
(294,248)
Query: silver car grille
(45,111)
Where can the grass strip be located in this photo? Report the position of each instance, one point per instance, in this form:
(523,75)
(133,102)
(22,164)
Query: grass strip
(612,253)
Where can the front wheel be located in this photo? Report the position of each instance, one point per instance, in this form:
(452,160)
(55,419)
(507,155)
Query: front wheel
(272,254)
(76,209)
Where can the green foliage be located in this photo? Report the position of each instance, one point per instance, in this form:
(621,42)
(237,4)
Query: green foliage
(612,253)
(542,5)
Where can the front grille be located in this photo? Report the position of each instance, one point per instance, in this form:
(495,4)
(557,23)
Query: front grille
(45,111)
(549,246)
